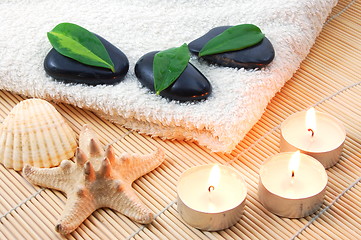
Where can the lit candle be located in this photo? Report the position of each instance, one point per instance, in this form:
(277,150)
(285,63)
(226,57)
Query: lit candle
(292,184)
(314,133)
(211,197)
(213,182)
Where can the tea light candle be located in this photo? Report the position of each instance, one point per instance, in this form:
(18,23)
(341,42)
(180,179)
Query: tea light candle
(314,133)
(211,197)
(292,184)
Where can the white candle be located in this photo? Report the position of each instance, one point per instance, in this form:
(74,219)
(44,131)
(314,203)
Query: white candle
(317,134)
(291,189)
(211,197)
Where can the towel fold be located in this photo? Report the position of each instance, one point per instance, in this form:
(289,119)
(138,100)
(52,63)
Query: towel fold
(239,96)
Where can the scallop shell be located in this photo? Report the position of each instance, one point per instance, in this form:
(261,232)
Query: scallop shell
(35,133)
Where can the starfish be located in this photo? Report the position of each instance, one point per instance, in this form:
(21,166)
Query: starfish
(95,180)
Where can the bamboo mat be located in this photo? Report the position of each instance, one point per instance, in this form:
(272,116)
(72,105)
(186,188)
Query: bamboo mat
(328,80)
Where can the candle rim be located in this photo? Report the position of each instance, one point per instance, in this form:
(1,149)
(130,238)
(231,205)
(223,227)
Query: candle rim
(339,124)
(315,161)
(215,212)
(243,194)
(303,112)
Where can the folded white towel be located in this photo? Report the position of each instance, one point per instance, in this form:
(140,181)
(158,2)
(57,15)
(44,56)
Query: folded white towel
(139,26)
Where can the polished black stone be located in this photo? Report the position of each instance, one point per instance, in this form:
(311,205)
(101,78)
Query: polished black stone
(71,71)
(256,56)
(191,84)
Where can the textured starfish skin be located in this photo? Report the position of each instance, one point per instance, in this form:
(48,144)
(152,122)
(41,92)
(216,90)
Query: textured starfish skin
(95,180)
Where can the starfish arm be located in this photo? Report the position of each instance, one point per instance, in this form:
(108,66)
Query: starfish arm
(125,201)
(133,166)
(56,178)
(79,206)
(89,143)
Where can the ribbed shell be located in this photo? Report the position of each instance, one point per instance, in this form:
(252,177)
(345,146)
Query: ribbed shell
(34,132)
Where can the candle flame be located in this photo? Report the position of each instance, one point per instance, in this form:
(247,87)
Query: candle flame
(294,163)
(311,120)
(214,177)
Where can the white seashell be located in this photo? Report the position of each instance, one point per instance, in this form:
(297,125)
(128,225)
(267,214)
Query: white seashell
(35,133)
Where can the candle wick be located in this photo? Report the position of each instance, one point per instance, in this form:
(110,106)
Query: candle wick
(312,132)
(293,173)
(211,188)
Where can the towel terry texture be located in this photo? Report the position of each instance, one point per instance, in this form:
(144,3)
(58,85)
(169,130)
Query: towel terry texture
(239,96)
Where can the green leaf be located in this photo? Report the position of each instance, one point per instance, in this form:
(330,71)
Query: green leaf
(168,65)
(79,44)
(232,39)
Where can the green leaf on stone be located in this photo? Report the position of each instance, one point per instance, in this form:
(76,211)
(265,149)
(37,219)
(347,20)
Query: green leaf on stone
(81,45)
(234,38)
(168,65)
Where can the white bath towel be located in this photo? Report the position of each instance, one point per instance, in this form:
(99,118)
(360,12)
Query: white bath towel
(136,27)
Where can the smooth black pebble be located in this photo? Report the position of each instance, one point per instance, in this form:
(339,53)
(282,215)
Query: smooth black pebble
(71,71)
(256,56)
(191,84)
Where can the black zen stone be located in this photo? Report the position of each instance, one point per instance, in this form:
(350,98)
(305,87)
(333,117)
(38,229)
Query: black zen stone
(256,56)
(71,71)
(191,84)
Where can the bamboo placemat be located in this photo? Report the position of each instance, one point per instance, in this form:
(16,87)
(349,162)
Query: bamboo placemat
(328,80)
